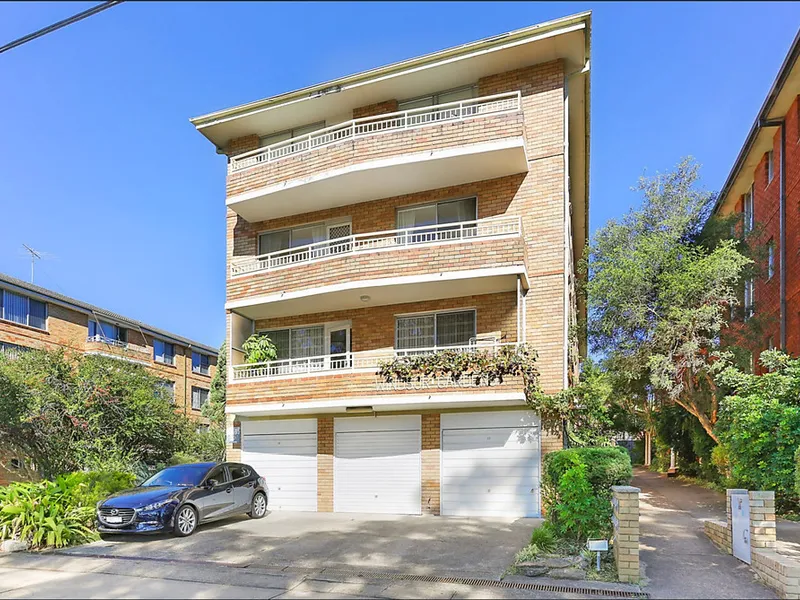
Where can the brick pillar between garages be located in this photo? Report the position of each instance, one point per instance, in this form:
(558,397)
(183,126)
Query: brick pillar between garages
(325,464)
(431,479)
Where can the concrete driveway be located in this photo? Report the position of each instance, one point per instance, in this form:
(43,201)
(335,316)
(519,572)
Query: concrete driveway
(421,545)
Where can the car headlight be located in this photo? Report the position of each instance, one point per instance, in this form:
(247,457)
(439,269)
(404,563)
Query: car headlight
(157,505)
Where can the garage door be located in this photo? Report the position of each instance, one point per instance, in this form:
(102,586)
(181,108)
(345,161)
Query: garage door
(490,464)
(285,454)
(376,466)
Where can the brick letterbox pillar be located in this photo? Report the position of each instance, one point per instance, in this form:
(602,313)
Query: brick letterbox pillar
(625,500)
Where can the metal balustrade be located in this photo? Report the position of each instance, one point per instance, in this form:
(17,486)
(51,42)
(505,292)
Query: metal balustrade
(368,126)
(101,339)
(348,361)
(396,239)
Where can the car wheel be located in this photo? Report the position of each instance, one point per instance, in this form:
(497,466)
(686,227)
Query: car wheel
(259,506)
(185,521)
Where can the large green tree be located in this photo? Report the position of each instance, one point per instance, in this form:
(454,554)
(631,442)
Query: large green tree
(660,290)
(72,412)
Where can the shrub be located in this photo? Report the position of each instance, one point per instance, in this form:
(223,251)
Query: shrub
(259,348)
(88,488)
(579,512)
(544,538)
(605,466)
(721,460)
(46,513)
(797,472)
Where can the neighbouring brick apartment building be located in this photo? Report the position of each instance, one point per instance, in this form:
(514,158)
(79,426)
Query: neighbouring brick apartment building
(440,202)
(34,317)
(763,188)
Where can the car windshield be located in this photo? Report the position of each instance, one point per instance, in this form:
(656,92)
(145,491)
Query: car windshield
(180,475)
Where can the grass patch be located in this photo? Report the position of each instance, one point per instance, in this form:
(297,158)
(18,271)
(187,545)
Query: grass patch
(709,485)
(790,515)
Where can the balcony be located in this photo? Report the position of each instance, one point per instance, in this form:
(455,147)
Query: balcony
(381,241)
(388,267)
(379,157)
(333,384)
(99,344)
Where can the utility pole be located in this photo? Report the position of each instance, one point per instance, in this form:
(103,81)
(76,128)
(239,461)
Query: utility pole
(34,256)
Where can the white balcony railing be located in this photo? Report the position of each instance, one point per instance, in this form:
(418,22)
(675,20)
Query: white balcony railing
(368,126)
(349,361)
(395,239)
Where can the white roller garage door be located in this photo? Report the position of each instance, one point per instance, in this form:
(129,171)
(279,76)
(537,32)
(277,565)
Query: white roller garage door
(376,467)
(490,464)
(285,454)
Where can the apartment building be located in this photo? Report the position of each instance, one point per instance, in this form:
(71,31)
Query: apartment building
(34,317)
(439,202)
(763,188)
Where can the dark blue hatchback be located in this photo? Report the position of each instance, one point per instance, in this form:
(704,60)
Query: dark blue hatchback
(182,497)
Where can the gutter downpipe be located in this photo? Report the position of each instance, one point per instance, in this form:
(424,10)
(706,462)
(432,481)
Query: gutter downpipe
(782,222)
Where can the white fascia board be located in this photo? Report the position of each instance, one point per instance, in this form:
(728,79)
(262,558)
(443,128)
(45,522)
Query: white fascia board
(388,281)
(396,402)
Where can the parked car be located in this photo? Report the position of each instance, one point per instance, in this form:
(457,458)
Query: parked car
(180,498)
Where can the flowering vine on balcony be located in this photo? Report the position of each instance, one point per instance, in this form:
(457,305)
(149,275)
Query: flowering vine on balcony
(481,366)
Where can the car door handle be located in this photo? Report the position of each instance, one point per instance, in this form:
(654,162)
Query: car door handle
(229,490)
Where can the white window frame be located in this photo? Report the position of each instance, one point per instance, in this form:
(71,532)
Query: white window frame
(749,298)
(436,95)
(163,360)
(168,384)
(200,368)
(317,125)
(435,325)
(400,209)
(770,166)
(201,389)
(749,210)
(327,223)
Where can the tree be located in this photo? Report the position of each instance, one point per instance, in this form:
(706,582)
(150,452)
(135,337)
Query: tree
(659,292)
(72,412)
(214,409)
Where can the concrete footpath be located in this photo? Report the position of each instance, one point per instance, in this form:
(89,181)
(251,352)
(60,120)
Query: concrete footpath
(66,576)
(678,560)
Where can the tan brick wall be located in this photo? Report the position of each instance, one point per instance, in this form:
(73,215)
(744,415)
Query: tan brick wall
(350,152)
(719,533)
(626,532)
(65,329)
(373,110)
(431,451)
(778,571)
(325,464)
(763,527)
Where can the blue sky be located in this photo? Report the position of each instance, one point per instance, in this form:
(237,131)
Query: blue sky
(101,169)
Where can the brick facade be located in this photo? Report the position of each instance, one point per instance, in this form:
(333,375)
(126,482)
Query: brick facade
(766,208)
(537,197)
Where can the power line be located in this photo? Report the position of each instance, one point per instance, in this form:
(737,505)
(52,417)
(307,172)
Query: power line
(68,21)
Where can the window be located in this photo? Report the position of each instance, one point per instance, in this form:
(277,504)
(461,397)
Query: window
(770,259)
(238,472)
(282,136)
(296,237)
(749,297)
(219,474)
(749,212)
(23,310)
(453,95)
(106,332)
(298,342)
(454,328)
(770,166)
(199,397)
(16,464)
(11,350)
(163,352)
(200,363)
(167,390)
(440,216)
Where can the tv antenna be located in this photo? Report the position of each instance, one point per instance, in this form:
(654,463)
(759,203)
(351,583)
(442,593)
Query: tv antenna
(34,256)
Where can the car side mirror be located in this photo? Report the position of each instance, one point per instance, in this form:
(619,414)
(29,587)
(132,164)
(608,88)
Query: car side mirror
(210,483)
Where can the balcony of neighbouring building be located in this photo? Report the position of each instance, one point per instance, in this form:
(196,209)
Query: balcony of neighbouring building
(381,156)
(388,267)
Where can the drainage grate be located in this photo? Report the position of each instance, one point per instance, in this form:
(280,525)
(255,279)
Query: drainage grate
(532,586)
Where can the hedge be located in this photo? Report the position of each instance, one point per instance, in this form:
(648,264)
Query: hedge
(605,466)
